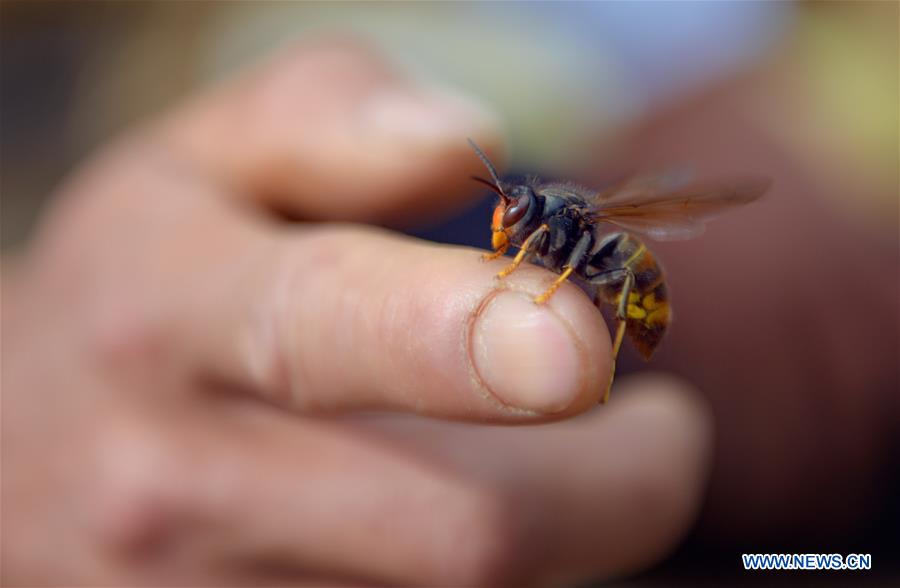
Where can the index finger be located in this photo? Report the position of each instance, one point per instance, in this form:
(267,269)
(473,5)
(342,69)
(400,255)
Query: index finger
(341,319)
(327,130)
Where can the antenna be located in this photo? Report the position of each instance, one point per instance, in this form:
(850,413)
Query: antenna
(491,170)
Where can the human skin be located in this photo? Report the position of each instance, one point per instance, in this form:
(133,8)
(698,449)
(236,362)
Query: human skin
(183,370)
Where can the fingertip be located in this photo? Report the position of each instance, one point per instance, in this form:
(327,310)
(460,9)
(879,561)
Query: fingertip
(410,153)
(678,405)
(550,359)
(664,428)
(625,482)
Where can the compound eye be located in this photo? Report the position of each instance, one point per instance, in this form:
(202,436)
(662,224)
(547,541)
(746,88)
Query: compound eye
(515,212)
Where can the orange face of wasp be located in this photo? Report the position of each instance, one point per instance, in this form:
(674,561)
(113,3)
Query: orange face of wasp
(499,237)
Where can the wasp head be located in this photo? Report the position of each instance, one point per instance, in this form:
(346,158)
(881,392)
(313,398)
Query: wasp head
(515,202)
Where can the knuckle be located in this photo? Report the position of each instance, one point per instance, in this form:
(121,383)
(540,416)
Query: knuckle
(312,307)
(140,501)
(286,322)
(268,350)
(126,334)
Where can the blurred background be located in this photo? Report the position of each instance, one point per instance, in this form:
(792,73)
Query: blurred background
(786,313)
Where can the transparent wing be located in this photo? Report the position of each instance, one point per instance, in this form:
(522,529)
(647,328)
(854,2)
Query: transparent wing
(669,207)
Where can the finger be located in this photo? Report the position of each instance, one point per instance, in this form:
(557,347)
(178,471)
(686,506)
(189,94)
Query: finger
(259,492)
(173,509)
(347,318)
(434,503)
(627,485)
(328,130)
(603,495)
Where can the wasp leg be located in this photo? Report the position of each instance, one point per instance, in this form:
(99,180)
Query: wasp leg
(627,278)
(617,343)
(526,250)
(495,254)
(579,252)
(554,286)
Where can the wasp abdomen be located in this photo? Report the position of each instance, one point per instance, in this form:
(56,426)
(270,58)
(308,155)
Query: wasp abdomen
(648,318)
(647,308)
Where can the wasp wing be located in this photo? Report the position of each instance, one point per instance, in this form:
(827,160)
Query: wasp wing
(669,207)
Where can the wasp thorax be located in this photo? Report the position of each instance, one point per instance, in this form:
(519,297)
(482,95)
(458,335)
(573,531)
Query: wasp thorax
(520,201)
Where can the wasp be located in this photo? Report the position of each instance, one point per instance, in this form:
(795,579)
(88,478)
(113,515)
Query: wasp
(560,223)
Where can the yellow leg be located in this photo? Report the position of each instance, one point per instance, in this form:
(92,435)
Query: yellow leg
(554,286)
(516,262)
(498,253)
(617,343)
(622,316)
(524,251)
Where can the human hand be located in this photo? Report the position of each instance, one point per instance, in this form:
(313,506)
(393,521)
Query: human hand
(179,364)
